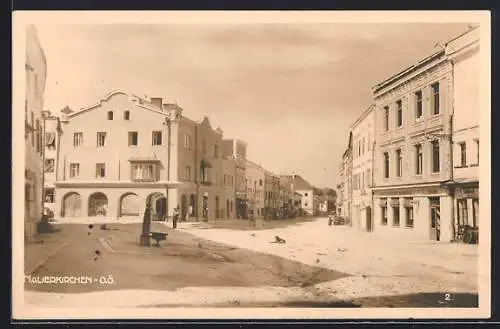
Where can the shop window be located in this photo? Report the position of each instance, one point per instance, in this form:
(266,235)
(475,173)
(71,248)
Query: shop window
(395,216)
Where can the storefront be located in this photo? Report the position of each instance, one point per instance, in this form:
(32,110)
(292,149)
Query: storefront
(466,204)
(414,212)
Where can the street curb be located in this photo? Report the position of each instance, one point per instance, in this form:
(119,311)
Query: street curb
(43,261)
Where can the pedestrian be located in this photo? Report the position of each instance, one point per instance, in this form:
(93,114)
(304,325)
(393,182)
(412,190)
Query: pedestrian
(175,217)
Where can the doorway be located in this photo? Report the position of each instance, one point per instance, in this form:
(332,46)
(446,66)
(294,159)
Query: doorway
(435,224)
(368,211)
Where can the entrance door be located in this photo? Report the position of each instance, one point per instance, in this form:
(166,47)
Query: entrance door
(368,219)
(435,219)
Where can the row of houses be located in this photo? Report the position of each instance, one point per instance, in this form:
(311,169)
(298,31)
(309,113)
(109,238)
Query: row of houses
(106,159)
(411,167)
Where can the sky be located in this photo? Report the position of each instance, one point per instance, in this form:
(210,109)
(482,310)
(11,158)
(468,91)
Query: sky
(291,91)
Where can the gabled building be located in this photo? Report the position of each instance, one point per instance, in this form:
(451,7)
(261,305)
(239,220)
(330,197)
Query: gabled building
(306,191)
(117,152)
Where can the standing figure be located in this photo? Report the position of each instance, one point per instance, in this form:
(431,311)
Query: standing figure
(175,217)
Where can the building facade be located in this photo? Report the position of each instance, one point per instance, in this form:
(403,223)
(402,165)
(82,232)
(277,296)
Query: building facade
(271,195)
(463,53)
(52,129)
(236,149)
(305,190)
(363,134)
(413,156)
(116,153)
(35,80)
(229,185)
(255,178)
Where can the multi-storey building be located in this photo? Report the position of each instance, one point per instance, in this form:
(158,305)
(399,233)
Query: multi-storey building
(463,53)
(271,195)
(228,183)
(255,177)
(35,79)
(236,149)
(286,198)
(52,128)
(363,134)
(345,185)
(116,153)
(412,157)
(306,191)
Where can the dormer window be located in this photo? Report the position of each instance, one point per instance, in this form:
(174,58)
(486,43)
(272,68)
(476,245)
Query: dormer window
(110,115)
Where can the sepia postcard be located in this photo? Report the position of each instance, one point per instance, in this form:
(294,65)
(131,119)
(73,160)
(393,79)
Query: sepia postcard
(251,165)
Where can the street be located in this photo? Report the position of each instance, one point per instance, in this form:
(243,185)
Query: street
(318,266)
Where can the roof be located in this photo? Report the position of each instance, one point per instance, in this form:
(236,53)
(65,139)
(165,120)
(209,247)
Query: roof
(299,183)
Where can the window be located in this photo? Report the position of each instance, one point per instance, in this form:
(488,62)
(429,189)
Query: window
(38,136)
(50,140)
(359,148)
(477,148)
(101,139)
(216,151)
(399,163)
(475,212)
(418,104)
(32,126)
(143,172)
(305,204)
(386,165)
(418,159)
(187,142)
(156,137)
(305,194)
(260,182)
(395,215)
(126,115)
(49,165)
(74,170)
(133,138)
(462,212)
(368,143)
(435,156)
(204,146)
(77,139)
(49,195)
(399,113)
(409,216)
(363,149)
(386,118)
(110,115)
(435,98)
(463,154)
(368,178)
(187,173)
(100,170)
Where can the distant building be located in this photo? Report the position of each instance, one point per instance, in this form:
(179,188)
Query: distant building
(305,190)
(271,195)
(255,178)
(363,134)
(463,52)
(344,197)
(35,81)
(236,149)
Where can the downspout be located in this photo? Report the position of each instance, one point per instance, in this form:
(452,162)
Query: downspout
(372,181)
(169,123)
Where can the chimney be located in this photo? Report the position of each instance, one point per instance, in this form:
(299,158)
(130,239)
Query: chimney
(157,101)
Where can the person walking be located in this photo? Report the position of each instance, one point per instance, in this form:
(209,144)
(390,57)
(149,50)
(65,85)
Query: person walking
(175,217)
